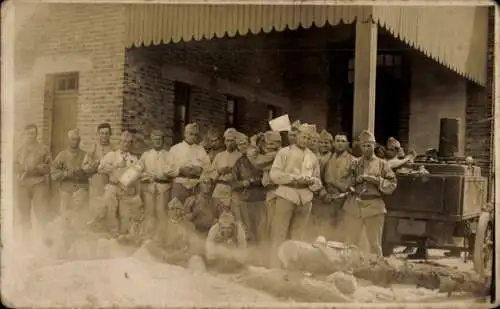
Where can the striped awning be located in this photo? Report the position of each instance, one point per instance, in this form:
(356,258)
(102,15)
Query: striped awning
(454,36)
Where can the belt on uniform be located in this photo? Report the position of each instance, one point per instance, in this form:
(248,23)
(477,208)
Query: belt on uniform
(189,177)
(162,181)
(222,182)
(298,186)
(369,197)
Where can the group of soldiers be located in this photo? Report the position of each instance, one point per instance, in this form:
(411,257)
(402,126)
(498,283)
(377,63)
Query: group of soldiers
(214,197)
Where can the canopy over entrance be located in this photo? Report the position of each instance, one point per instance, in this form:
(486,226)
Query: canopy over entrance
(454,36)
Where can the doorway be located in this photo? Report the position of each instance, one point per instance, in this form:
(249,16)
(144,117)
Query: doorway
(392,91)
(65,109)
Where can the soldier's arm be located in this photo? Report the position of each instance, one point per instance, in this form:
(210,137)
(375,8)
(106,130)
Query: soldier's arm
(142,163)
(18,164)
(397,163)
(43,168)
(59,171)
(107,164)
(277,172)
(388,181)
(191,209)
(168,166)
(351,172)
(237,182)
(317,185)
(261,161)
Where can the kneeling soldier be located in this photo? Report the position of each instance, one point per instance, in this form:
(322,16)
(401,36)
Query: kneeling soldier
(175,242)
(226,244)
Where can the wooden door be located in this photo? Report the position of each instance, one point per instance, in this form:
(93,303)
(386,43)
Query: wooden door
(64,110)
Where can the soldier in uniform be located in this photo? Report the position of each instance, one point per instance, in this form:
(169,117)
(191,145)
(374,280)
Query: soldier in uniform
(175,242)
(226,244)
(68,169)
(325,149)
(200,209)
(190,160)
(122,202)
(372,178)
(292,134)
(337,178)
(314,142)
(262,159)
(396,156)
(296,172)
(248,193)
(221,172)
(213,143)
(156,181)
(32,168)
(92,160)
(73,190)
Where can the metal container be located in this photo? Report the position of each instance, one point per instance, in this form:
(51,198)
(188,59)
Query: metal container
(131,175)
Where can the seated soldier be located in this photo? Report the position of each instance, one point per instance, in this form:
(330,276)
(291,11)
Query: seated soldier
(396,156)
(175,242)
(226,245)
(200,208)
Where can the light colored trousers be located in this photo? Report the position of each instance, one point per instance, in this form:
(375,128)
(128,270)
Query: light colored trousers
(287,220)
(364,214)
(121,208)
(156,197)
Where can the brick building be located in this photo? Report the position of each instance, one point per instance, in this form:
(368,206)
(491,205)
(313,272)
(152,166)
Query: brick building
(159,66)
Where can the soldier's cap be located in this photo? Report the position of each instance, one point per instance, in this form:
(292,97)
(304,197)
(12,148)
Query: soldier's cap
(325,136)
(393,143)
(307,128)
(192,127)
(175,204)
(230,133)
(74,133)
(241,137)
(272,136)
(366,137)
(295,125)
(226,218)
(157,132)
(315,134)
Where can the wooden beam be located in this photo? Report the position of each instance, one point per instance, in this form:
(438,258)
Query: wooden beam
(224,86)
(365,68)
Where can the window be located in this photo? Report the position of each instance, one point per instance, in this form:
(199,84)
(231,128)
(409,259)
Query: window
(389,62)
(231,112)
(182,97)
(271,112)
(66,82)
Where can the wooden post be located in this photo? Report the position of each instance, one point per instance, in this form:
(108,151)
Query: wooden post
(365,68)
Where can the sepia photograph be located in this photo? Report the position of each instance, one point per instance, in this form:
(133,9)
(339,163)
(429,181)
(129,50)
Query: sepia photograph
(249,154)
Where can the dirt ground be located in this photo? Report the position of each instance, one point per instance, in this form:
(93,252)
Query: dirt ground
(113,275)
(122,279)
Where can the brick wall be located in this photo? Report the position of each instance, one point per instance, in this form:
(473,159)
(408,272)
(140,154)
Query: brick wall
(436,92)
(480,105)
(281,63)
(87,38)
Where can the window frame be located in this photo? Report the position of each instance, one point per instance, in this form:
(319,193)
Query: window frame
(182,101)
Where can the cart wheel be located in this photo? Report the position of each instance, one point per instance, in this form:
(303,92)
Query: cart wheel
(483,245)
(387,249)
